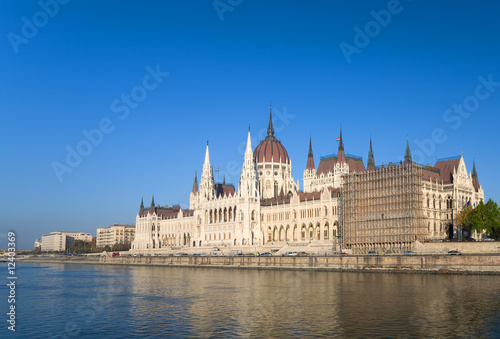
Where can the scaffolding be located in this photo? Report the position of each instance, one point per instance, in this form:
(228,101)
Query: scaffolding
(381,210)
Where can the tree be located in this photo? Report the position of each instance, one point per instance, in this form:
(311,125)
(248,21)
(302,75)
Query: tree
(484,217)
(492,219)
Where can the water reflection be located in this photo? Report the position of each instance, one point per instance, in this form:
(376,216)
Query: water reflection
(216,302)
(92,301)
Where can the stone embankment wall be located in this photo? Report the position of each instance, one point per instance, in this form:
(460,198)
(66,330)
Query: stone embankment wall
(410,263)
(463,247)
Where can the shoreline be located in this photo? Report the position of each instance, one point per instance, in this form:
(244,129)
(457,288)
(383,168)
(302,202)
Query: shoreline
(445,264)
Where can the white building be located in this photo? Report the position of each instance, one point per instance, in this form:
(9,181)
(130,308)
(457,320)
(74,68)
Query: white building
(268,211)
(60,241)
(115,234)
(38,244)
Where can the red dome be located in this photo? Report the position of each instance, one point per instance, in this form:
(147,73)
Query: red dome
(270,148)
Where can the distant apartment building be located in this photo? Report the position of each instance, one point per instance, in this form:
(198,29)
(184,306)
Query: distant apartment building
(60,241)
(115,234)
(38,244)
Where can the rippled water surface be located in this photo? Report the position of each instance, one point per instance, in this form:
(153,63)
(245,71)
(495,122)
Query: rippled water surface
(96,301)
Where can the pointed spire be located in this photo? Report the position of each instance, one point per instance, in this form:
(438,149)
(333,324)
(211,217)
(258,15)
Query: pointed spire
(475,180)
(408,159)
(474,172)
(207,155)
(249,143)
(142,203)
(341,154)
(341,144)
(152,208)
(270,128)
(224,179)
(371,159)
(310,158)
(195,184)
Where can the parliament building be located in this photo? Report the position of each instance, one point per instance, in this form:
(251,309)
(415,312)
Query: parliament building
(343,206)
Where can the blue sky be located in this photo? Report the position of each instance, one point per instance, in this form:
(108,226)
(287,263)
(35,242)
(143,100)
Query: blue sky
(69,69)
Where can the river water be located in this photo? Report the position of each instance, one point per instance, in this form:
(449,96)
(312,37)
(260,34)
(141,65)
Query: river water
(99,301)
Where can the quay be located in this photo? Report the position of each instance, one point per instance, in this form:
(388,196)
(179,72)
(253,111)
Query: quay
(425,264)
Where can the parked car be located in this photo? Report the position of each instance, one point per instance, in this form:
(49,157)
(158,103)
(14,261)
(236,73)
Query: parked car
(372,253)
(409,253)
(291,254)
(487,239)
(454,252)
(302,254)
(265,254)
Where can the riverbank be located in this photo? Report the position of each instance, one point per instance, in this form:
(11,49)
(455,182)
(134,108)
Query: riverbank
(425,264)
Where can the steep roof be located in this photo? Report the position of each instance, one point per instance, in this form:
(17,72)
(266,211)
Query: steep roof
(309,196)
(430,173)
(335,192)
(165,212)
(279,200)
(224,189)
(355,164)
(327,164)
(446,168)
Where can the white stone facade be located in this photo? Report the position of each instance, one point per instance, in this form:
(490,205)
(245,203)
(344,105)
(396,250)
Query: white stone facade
(268,212)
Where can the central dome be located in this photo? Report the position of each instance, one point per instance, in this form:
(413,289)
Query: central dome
(270,149)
